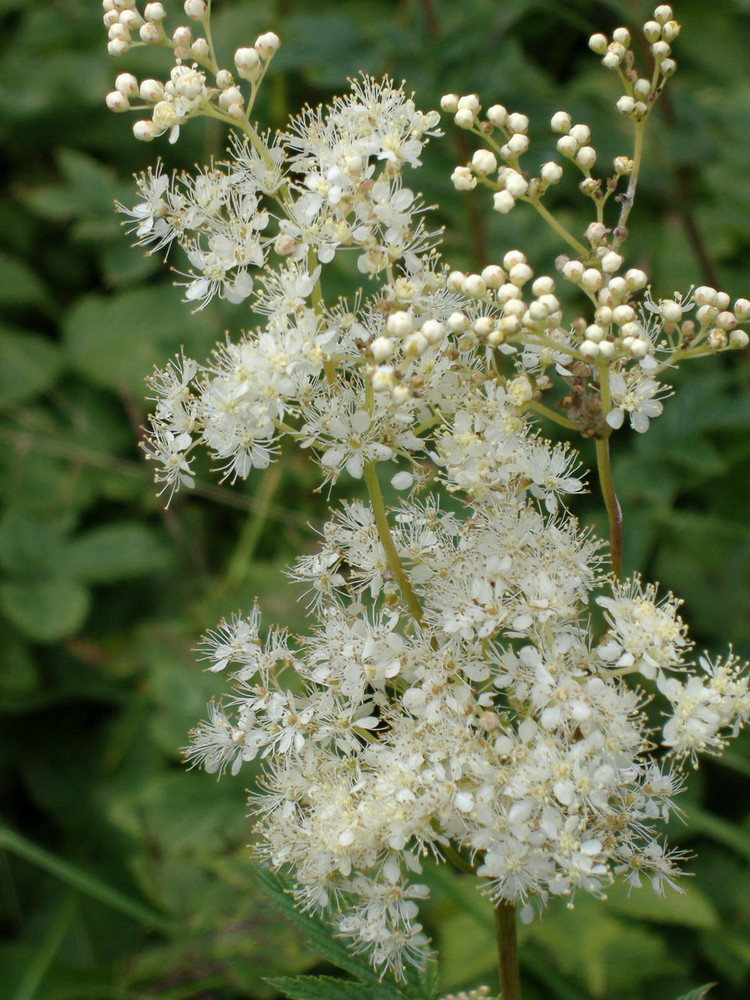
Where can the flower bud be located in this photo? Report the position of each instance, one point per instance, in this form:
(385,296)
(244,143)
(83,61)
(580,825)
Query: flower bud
(458,322)
(449,102)
(116,101)
(154,12)
(598,43)
(400,324)
(182,37)
(625,105)
(652,31)
(415,344)
(591,279)
(573,270)
(483,162)
(517,144)
(519,274)
(543,285)
(611,262)
(567,145)
(517,122)
(117,47)
(622,36)
(717,339)
(469,102)
(515,183)
(151,91)
(589,350)
(623,165)
(497,115)
(519,390)
(433,331)
(742,309)
(455,280)
(551,172)
(196,10)
(473,285)
(145,131)
(726,320)
(267,44)
(561,121)
(586,157)
(383,378)
(663,13)
(503,202)
(248,63)
(150,33)
(464,118)
(463,179)
(493,276)
(622,315)
(738,339)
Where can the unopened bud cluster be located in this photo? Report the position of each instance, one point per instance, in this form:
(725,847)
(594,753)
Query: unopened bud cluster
(188,91)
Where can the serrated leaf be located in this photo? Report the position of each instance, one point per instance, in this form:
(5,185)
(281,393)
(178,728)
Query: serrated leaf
(116,552)
(30,365)
(328,988)
(319,934)
(46,610)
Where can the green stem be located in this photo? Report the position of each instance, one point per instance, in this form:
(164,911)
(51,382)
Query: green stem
(551,414)
(621,230)
(507,950)
(614,514)
(558,228)
(83,881)
(386,540)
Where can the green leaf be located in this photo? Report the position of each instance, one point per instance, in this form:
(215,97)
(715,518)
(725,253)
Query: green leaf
(30,365)
(30,547)
(81,880)
(319,934)
(720,830)
(116,552)
(689,909)
(19,285)
(115,341)
(328,988)
(699,993)
(45,610)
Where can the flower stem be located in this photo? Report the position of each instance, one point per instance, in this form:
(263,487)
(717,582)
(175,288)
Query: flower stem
(507,950)
(386,540)
(614,513)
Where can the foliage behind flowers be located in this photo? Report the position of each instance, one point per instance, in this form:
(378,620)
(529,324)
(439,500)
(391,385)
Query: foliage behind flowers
(456,697)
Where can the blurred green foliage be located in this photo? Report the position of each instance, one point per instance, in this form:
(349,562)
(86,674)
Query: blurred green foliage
(122,876)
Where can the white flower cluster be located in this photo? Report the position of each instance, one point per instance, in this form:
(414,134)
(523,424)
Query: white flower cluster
(494,726)
(454,698)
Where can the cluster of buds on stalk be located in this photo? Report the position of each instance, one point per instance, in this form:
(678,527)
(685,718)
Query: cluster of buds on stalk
(188,91)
